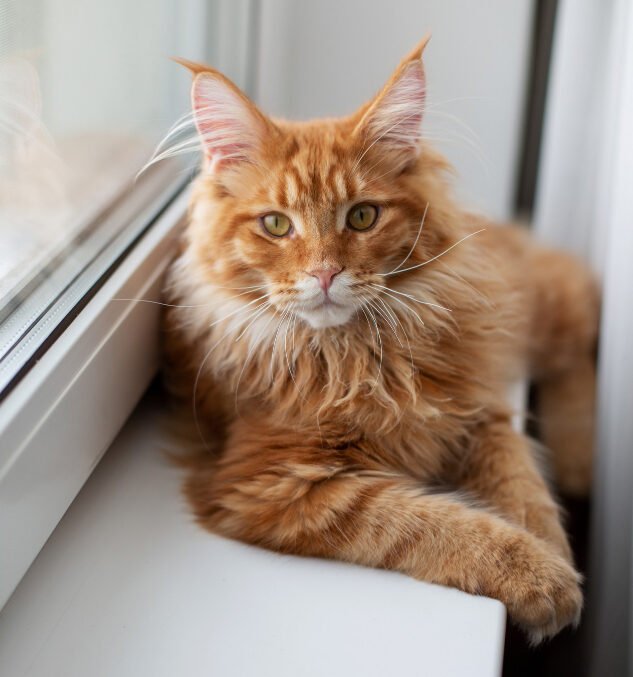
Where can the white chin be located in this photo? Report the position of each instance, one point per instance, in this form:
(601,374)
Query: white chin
(326,316)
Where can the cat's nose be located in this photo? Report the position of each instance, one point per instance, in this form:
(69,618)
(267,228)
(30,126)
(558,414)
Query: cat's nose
(325,276)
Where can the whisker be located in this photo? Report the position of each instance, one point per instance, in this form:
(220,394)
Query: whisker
(261,309)
(387,319)
(166,305)
(373,317)
(424,303)
(403,303)
(414,244)
(379,340)
(239,310)
(371,329)
(406,337)
(294,326)
(272,352)
(426,263)
(390,323)
(288,325)
(194,305)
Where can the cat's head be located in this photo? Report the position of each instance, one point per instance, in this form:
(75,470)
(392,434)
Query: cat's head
(310,215)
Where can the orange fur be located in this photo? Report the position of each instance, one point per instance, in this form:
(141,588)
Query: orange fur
(340,434)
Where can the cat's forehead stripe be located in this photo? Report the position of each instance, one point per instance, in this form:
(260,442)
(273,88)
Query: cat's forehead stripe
(313,175)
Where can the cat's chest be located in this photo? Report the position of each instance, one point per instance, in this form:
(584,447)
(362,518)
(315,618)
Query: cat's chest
(360,390)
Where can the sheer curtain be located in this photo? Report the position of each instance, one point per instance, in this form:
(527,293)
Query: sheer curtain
(585,204)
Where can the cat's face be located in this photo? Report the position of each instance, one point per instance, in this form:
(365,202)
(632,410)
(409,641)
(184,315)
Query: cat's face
(311,216)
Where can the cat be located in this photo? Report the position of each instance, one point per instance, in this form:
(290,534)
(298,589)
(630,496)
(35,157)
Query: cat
(347,333)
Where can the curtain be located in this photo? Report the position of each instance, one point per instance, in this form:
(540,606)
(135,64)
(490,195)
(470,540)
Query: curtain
(585,204)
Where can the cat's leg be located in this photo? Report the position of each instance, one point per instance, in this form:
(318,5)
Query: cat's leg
(500,469)
(565,412)
(564,333)
(288,492)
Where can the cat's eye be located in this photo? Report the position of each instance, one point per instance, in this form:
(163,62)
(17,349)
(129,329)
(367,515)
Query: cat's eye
(276,224)
(362,217)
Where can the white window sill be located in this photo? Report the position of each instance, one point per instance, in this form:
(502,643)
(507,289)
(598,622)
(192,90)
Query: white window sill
(128,586)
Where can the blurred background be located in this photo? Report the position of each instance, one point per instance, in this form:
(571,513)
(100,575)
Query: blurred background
(530,100)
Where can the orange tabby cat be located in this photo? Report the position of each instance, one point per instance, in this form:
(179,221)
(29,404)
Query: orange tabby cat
(348,333)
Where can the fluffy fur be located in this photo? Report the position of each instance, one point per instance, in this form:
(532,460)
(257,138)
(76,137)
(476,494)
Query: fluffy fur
(351,425)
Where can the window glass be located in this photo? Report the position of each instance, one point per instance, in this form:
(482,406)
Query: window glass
(87,90)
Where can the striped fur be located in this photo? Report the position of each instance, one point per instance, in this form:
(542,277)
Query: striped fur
(360,440)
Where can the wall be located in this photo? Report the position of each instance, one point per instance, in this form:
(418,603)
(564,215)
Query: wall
(325,58)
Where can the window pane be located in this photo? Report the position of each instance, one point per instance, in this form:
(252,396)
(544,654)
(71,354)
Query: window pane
(86,92)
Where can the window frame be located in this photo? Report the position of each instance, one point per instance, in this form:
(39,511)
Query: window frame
(55,295)
(61,417)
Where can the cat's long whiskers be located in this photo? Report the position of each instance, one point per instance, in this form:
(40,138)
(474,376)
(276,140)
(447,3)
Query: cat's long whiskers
(409,296)
(397,319)
(286,324)
(379,342)
(165,305)
(387,317)
(437,256)
(371,329)
(294,348)
(293,316)
(272,352)
(387,309)
(261,309)
(193,305)
(406,258)
(406,337)
(405,305)
(239,310)
(251,288)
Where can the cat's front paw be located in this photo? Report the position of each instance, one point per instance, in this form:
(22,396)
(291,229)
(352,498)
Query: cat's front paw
(541,591)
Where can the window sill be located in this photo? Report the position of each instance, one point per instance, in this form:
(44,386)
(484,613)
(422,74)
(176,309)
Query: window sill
(127,585)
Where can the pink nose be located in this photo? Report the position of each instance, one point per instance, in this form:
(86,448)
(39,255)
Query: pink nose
(325,276)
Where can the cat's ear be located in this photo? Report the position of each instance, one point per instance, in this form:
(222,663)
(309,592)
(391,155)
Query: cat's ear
(394,118)
(231,128)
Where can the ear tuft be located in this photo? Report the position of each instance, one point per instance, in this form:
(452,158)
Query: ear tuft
(394,118)
(397,117)
(231,128)
(193,66)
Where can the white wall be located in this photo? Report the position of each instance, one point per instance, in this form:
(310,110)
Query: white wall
(326,58)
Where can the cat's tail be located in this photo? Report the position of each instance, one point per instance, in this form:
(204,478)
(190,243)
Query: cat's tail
(565,322)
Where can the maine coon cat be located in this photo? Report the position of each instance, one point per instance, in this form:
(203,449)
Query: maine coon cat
(346,333)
